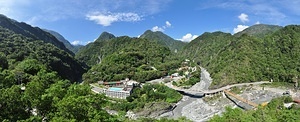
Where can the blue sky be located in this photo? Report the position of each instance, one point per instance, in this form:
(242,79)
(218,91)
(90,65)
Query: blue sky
(82,21)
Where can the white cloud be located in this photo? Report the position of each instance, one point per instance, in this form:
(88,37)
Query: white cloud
(156,28)
(239,28)
(257,23)
(243,17)
(279,12)
(162,29)
(76,42)
(188,37)
(108,18)
(168,24)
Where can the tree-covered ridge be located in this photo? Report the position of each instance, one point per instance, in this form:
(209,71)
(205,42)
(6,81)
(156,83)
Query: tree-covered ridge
(232,59)
(259,30)
(30,32)
(133,58)
(16,48)
(105,36)
(73,48)
(94,52)
(163,39)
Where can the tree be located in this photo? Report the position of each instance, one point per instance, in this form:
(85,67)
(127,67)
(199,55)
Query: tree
(12,104)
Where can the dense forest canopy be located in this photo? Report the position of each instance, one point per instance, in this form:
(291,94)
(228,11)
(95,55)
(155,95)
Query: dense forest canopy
(245,58)
(17,48)
(163,39)
(134,58)
(39,76)
(28,31)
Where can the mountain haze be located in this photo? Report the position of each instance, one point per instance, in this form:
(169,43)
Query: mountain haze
(73,48)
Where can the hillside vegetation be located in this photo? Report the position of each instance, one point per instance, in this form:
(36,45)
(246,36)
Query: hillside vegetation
(163,39)
(94,52)
(17,48)
(133,58)
(275,111)
(259,30)
(232,59)
(73,48)
(28,31)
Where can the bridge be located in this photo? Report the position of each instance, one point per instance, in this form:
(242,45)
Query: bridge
(223,90)
(213,91)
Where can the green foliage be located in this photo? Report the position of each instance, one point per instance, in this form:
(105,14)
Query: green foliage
(235,59)
(35,33)
(3,61)
(12,104)
(148,94)
(17,48)
(192,79)
(163,39)
(128,61)
(273,112)
(259,30)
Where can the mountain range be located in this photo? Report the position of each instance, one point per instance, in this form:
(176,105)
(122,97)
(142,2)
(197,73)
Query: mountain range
(20,42)
(163,39)
(260,52)
(73,48)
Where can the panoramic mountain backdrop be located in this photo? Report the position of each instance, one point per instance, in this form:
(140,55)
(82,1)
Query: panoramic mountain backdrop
(249,57)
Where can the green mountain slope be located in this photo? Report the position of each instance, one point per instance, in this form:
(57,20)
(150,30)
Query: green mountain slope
(259,30)
(17,48)
(132,58)
(232,59)
(163,39)
(105,36)
(31,32)
(93,52)
(73,48)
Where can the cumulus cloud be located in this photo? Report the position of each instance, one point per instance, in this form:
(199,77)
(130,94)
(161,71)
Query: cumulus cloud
(243,17)
(257,23)
(156,28)
(239,28)
(162,28)
(108,18)
(76,42)
(188,37)
(168,24)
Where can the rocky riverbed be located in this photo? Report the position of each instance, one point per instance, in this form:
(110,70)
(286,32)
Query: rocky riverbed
(202,109)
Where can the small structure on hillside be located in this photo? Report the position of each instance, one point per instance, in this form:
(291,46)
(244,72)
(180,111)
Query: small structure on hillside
(120,89)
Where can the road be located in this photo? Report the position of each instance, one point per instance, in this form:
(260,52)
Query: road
(192,91)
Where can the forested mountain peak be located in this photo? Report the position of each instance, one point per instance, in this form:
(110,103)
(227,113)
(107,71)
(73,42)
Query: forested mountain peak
(105,36)
(31,32)
(246,58)
(259,30)
(163,39)
(73,48)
